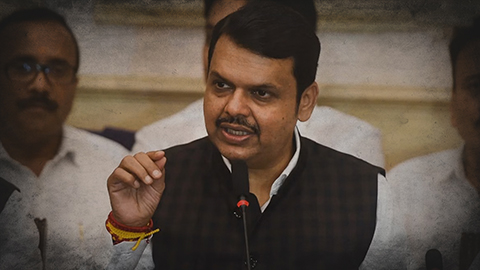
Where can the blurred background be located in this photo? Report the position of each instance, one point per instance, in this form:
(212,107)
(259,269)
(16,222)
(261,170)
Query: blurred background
(384,61)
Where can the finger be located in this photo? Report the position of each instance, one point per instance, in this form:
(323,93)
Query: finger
(153,171)
(159,158)
(137,166)
(120,179)
(161,163)
(159,184)
(155,155)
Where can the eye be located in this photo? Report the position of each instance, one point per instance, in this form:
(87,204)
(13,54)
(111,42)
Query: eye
(25,67)
(261,94)
(221,85)
(20,68)
(56,70)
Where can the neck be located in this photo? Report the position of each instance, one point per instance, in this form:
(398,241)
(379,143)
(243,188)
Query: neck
(261,179)
(471,164)
(31,151)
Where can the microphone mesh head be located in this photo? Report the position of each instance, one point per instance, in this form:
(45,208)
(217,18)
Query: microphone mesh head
(240,177)
(433,259)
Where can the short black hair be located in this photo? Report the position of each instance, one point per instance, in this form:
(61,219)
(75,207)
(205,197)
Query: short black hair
(462,36)
(39,14)
(274,31)
(306,8)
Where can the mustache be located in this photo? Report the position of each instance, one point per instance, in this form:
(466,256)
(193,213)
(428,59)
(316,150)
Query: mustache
(238,120)
(36,100)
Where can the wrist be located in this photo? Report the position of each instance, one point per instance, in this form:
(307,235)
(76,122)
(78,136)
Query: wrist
(133,224)
(121,232)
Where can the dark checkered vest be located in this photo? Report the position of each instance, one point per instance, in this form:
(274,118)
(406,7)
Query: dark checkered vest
(323,217)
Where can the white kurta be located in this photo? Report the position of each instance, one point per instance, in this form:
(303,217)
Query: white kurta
(437,204)
(71,195)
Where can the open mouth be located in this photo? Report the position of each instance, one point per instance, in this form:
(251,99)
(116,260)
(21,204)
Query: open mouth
(236,132)
(237,126)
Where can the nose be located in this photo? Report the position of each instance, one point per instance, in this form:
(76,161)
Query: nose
(238,103)
(40,83)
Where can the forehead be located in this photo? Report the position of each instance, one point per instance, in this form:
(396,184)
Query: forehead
(244,67)
(43,41)
(221,8)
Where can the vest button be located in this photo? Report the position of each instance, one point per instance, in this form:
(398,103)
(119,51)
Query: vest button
(236,214)
(253,262)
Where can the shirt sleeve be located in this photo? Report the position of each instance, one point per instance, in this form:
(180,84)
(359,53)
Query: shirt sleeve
(387,250)
(124,258)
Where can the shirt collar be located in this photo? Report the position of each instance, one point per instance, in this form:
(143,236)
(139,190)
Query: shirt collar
(66,150)
(67,146)
(286,172)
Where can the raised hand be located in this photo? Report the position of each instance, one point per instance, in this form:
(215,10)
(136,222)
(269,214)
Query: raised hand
(135,187)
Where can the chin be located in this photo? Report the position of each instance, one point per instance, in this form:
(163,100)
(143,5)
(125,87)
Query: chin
(234,152)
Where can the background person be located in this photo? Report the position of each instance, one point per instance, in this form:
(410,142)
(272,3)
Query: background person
(439,193)
(52,176)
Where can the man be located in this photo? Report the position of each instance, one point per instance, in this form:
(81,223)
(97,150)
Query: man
(439,193)
(326,126)
(311,207)
(52,185)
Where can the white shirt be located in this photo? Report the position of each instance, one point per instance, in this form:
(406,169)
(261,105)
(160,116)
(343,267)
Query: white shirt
(281,178)
(437,204)
(71,194)
(326,126)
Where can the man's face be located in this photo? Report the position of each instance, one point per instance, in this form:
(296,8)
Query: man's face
(219,10)
(465,103)
(38,106)
(250,105)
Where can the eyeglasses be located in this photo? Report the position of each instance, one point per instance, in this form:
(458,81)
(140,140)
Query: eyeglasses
(25,72)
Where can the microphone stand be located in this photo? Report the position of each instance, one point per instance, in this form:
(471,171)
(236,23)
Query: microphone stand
(241,186)
(243,204)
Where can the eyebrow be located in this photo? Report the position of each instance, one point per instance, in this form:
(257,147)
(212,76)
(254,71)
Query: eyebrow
(29,58)
(24,58)
(266,86)
(218,76)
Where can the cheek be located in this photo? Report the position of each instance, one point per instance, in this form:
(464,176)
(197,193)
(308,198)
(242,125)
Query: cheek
(9,94)
(65,98)
(211,107)
(275,122)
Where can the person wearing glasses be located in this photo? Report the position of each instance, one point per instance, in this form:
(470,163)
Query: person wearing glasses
(52,176)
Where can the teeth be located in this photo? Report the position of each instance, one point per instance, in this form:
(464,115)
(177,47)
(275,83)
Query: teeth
(236,132)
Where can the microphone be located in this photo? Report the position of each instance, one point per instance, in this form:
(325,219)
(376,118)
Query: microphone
(240,178)
(433,260)
(242,188)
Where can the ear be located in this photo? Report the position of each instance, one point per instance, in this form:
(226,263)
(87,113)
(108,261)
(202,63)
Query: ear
(307,102)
